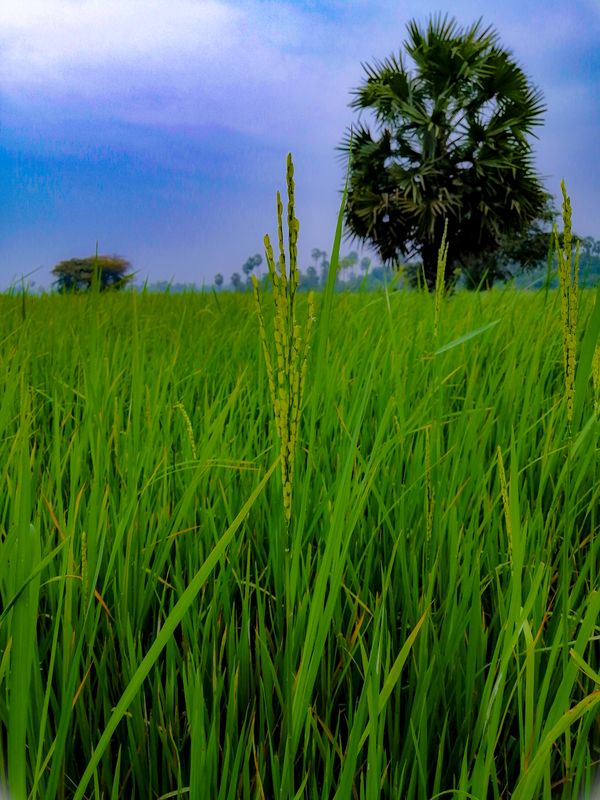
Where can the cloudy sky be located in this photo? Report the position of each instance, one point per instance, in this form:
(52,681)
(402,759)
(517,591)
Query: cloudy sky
(161,128)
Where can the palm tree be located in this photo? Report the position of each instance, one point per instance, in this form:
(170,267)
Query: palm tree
(253,261)
(317,254)
(312,278)
(453,147)
(218,280)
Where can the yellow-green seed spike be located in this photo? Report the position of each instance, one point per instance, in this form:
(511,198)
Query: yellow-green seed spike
(270,260)
(293,229)
(440,276)
(596,379)
(84,569)
(569,302)
(286,353)
(429,499)
(282,268)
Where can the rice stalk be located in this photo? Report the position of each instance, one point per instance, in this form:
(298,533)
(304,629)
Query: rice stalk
(286,381)
(188,425)
(569,303)
(84,569)
(596,380)
(429,493)
(569,309)
(439,280)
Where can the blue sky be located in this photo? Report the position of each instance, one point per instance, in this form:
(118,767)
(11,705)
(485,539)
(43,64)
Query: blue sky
(161,129)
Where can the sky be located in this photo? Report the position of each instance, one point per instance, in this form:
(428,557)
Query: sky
(161,129)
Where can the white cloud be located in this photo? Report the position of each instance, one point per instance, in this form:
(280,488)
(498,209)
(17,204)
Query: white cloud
(54,34)
(249,66)
(181,62)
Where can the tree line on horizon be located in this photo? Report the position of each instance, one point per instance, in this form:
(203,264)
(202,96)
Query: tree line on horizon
(77,275)
(369,277)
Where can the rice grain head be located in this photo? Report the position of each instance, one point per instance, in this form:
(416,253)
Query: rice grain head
(439,280)
(569,303)
(287,379)
(188,425)
(596,380)
(429,494)
(84,572)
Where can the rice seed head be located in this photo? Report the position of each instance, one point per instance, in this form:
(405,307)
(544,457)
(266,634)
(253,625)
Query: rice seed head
(188,425)
(439,280)
(569,302)
(85,580)
(596,379)
(287,368)
(429,496)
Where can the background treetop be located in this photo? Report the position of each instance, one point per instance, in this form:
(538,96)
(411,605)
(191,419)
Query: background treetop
(77,274)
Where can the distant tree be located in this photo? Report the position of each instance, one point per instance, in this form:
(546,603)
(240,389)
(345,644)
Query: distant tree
(348,261)
(236,281)
(378,274)
(179,288)
(453,147)
(308,279)
(312,277)
(253,261)
(587,245)
(317,255)
(218,280)
(77,274)
(365,263)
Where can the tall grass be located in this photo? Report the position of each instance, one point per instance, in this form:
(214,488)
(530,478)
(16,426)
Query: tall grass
(174,624)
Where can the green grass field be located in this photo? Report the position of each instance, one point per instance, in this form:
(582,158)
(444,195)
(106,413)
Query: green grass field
(414,616)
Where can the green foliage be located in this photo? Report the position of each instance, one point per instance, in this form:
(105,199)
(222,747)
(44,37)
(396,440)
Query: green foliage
(77,274)
(453,146)
(137,522)
(435,628)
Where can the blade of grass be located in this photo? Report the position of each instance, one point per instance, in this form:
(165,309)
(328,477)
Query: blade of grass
(465,338)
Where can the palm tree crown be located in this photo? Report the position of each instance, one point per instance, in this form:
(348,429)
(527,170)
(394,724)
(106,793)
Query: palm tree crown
(453,146)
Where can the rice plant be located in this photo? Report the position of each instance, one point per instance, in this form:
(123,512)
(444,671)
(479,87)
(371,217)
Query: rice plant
(290,355)
(568,275)
(596,379)
(439,281)
(388,622)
